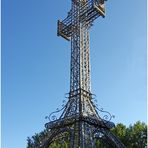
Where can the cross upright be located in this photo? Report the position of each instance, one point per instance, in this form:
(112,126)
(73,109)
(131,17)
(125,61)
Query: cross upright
(80,125)
(75,28)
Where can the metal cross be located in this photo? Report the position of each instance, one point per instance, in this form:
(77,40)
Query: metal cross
(80,124)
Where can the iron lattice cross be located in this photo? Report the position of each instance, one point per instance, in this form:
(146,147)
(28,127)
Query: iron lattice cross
(80,125)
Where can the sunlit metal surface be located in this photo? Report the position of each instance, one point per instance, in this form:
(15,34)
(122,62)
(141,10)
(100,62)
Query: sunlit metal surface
(80,124)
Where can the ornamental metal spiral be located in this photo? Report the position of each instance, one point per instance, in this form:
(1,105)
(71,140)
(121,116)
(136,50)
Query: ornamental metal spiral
(52,116)
(108,116)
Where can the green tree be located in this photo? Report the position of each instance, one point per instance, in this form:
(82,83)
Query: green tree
(134,136)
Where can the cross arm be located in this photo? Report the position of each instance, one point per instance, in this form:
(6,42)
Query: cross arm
(89,11)
(64,27)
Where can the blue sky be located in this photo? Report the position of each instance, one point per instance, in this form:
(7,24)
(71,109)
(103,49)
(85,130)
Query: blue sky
(35,64)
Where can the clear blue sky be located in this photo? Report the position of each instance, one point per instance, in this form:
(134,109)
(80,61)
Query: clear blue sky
(35,64)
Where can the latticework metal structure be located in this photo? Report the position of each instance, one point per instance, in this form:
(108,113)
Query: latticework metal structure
(80,124)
